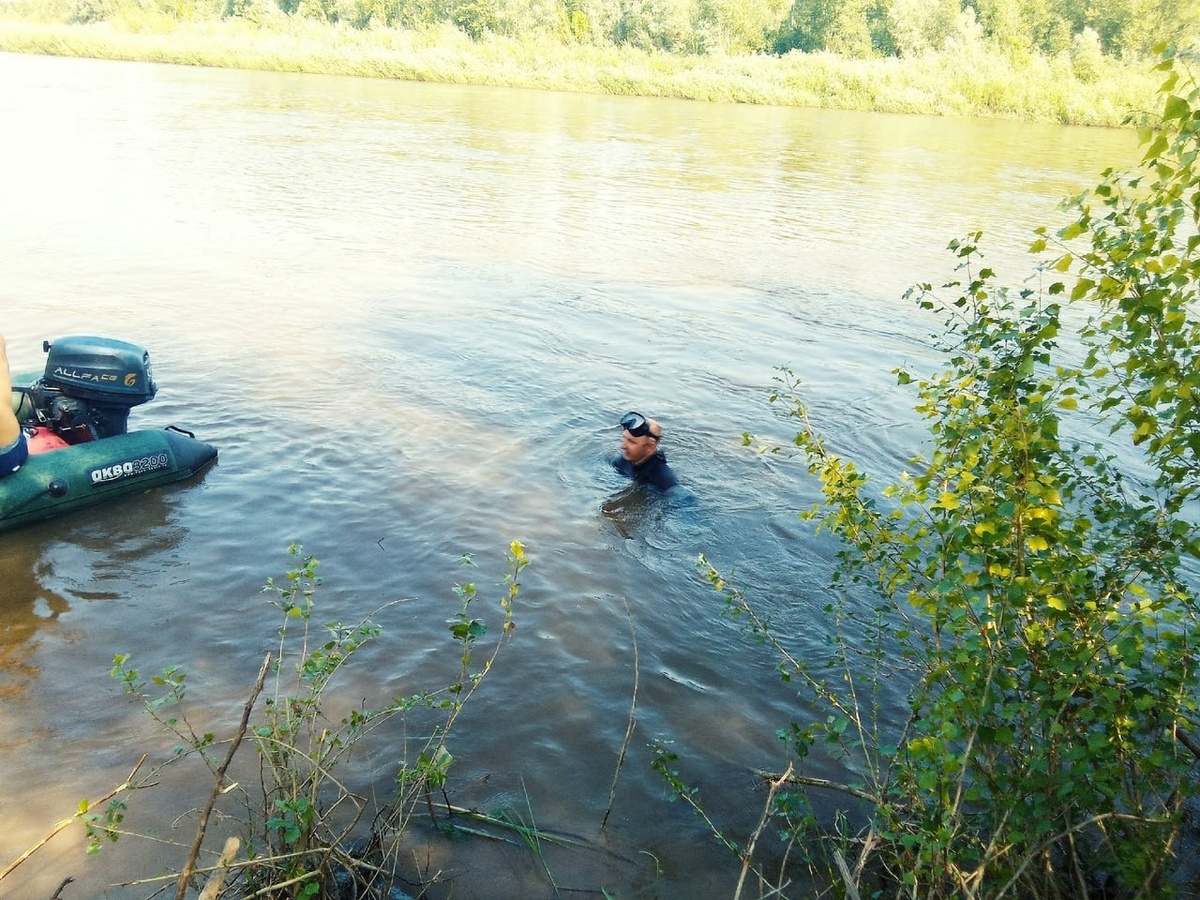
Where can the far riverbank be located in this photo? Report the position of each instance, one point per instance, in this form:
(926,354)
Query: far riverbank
(971,83)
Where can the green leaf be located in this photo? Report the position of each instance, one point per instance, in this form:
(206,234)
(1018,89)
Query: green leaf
(1176,108)
(947,501)
(1157,148)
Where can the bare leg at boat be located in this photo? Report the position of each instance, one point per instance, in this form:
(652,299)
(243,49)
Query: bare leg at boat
(13,449)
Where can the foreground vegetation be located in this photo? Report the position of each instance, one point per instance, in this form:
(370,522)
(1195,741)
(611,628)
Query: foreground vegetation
(301,832)
(1059,62)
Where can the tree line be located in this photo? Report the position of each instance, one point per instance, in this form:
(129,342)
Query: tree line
(856,29)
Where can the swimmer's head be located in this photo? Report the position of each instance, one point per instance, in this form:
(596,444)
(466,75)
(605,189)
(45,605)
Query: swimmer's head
(639,437)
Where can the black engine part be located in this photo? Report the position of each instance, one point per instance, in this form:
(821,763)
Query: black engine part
(89,386)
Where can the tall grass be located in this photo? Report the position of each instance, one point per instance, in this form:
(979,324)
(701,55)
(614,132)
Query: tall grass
(967,81)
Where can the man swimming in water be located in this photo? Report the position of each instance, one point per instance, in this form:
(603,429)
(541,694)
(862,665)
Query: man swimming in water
(641,459)
(14,449)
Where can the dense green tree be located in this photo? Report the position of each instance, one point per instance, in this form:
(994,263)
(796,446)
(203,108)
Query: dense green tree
(854,28)
(853,31)
(916,26)
(574,26)
(1004,22)
(1134,26)
(416,13)
(738,26)
(808,26)
(655,25)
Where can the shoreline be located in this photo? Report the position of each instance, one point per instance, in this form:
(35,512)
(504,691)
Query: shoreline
(972,84)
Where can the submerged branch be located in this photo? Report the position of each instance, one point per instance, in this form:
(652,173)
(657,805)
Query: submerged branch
(59,826)
(612,792)
(808,781)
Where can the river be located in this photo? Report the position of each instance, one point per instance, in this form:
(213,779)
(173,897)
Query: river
(409,316)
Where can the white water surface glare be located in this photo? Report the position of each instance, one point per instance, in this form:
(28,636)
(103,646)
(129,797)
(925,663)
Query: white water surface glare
(409,316)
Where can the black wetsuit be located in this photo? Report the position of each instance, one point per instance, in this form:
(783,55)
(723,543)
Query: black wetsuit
(653,471)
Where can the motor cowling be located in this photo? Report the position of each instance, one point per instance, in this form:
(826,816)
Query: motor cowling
(90,384)
(116,373)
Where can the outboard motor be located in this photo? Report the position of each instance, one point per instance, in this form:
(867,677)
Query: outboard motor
(89,386)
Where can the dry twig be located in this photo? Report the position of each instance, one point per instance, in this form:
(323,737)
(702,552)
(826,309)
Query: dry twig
(186,875)
(217,881)
(748,855)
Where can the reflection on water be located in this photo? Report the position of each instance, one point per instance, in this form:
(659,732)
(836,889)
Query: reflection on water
(26,605)
(408,316)
(632,510)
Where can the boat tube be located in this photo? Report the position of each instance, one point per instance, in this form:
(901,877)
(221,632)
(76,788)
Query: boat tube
(75,416)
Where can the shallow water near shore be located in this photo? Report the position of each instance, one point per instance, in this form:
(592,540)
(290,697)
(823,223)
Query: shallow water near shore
(410,316)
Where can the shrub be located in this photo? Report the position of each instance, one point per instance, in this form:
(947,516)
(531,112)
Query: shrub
(305,833)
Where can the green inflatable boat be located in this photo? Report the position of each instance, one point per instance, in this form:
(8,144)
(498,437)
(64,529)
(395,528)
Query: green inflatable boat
(81,452)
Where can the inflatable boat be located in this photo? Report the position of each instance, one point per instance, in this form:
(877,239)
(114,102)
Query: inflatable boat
(75,416)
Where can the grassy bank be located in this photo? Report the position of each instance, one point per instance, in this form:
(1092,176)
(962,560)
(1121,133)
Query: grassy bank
(971,81)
